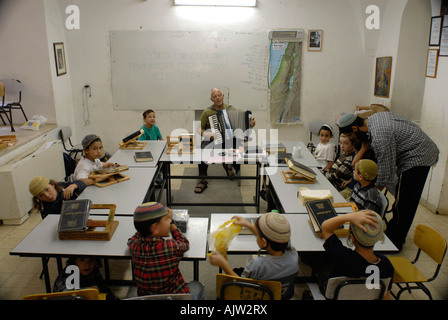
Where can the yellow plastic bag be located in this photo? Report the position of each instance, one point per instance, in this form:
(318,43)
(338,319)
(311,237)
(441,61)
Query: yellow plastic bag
(222,236)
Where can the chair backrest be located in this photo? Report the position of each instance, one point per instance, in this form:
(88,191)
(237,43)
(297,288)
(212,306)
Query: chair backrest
(384,204)
(85,294)
(345,288)
(236,288)
(431,242)
(13,89)
(66,133)
(2,89)
(178,296)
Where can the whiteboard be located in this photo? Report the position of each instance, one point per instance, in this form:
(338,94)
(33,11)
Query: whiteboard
(175,70)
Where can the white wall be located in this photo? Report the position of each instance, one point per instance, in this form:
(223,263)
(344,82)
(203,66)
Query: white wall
(335,80)
(24,56)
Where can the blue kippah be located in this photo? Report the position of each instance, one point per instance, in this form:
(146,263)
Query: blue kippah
(88,139)
(347,120)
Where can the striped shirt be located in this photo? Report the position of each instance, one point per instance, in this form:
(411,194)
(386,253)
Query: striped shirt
(367,197)
(398,144)
(341,171)
(156,263)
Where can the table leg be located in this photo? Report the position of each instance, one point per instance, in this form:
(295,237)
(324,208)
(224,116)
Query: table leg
(196,270)
(46,274)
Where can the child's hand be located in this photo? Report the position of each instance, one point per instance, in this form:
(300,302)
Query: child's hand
(362,217)
(217,259)
(241,221)
(68,192)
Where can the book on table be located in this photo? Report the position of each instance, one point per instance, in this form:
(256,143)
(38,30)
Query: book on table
(275,147)
(300,168)
(320,211)
(74,215)
(281,157)
(143,156)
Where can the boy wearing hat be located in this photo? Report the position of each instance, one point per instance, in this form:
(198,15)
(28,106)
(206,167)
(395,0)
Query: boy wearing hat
(49,194)
(365,194)
(92,153)
(401,148)
(366,228)
(273,232)
(156,259)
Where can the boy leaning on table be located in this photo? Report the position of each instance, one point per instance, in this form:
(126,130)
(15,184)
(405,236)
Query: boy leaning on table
(156,258)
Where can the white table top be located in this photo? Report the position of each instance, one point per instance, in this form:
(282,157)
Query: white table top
(306,157)
(303,238)
(44,241)
(127,195)
(126,157)
(287,192)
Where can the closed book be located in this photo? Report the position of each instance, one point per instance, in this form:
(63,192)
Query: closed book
(143,156)
(319,211)
(74,215)
(301,168)
(275,147)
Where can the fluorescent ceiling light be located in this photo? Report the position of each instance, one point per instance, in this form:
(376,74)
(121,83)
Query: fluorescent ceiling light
(230,3)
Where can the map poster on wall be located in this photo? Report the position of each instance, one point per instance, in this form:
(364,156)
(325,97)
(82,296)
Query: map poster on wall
(383,71)
(285,70)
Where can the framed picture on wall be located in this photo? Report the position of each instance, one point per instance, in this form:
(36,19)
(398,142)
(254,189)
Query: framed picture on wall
(431,63)
(434,35)
(444,7)
(443,50)
(315,40)
(59,56)
(383,70)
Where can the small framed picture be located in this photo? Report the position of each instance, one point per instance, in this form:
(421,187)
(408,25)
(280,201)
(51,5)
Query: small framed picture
(444,7)
(434,35)
(431,63)
(443,52)
(59,56)
(383,71)
(315,40)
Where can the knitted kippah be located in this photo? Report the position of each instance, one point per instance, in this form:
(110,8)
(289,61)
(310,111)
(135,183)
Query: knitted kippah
(368,169)
(38,184)
(373,234)
(347,120)
(275,227)
(88,139)
(149,211)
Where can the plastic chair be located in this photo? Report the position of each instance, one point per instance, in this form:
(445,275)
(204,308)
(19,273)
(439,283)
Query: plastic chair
(236,288)
(85,294)
(66,134)
(12,100)
(345,288)
(434,245)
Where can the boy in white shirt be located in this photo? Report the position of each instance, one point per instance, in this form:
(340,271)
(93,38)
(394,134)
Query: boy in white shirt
(325,150)
(92,153)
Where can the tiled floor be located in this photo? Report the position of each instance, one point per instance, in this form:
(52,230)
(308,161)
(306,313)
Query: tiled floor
(20,276)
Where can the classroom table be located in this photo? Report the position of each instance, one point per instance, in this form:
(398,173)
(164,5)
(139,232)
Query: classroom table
(285,194)
(126,195)
(126,157)
(211,156)
(43,241)
(303,238)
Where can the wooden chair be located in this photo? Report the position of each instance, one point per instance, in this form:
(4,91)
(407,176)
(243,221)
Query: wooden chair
(434,245)
(236,288)
(85,294)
